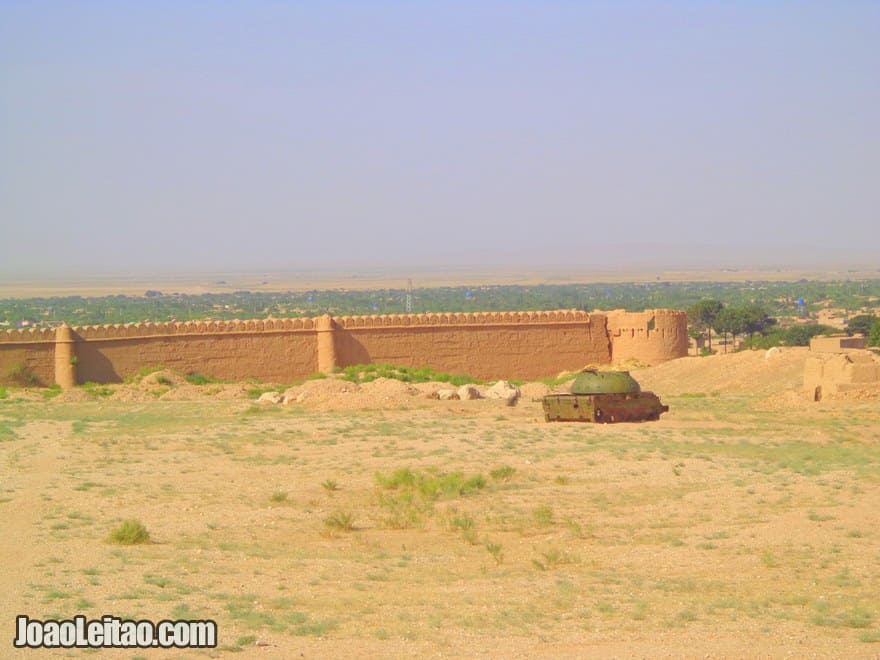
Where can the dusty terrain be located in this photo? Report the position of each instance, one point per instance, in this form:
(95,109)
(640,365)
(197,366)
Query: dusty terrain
(742,524)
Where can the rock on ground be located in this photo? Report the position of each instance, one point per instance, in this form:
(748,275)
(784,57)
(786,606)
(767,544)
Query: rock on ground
(504,391)
(468,393)
(270,397)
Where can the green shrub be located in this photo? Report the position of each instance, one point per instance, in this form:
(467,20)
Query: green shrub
(342,521)
(51,392)
(130,532)
(195,378)
(23,375)
(431,485)
(364,373)
(503,473)
(97,389)
(796,335)
(142,373)
(874,336)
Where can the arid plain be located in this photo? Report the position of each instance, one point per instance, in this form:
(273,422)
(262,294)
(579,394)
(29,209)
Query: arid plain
(375,521)
(74,284)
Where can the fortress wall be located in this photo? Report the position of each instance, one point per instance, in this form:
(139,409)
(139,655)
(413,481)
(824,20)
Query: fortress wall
(503,345)
(485,345)
(33,350)
(273,350)
(649,337)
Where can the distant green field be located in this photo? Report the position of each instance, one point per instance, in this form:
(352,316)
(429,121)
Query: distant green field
(780,299)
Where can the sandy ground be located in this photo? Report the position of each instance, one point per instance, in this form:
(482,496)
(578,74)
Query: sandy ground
(742,524)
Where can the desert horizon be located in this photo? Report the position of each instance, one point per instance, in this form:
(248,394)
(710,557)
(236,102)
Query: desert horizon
(101,284)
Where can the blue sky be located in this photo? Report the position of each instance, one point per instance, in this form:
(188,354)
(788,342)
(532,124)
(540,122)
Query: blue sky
(185,136)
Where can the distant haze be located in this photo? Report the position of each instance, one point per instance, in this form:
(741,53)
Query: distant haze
(184,136)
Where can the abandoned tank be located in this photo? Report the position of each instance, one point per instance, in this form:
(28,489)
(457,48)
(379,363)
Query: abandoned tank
(604,397)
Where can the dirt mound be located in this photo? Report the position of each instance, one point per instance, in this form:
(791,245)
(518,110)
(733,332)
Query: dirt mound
(388,387)
(431,388)
(228,392)
(163,377)
(75,395)
(184,392)
(131,393)
(746,371)
(530,391)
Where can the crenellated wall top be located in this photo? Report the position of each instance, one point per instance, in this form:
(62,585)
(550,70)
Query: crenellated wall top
(28,335)
(121,331)
(462,318)
(662,321)
(148,329)
(666,320)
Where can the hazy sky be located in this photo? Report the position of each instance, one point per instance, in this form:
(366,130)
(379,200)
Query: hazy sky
(179,135)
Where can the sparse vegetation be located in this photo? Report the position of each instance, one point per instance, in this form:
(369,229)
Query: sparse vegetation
(496,550)
(96,389)
(558,530)
(341,520)
(130,532)
(543,516)
(51,392)
(364,373)
(142,373)
(196,378)
(503,473)
(431,484)
(23,375)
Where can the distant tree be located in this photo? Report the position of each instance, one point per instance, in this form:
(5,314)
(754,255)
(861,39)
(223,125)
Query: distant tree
(861,324)
(696,334)
(874,334)
(703,315)
(754,318)
(724,323)
(800,335)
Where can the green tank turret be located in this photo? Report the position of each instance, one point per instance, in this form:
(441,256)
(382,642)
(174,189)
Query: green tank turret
(604,397)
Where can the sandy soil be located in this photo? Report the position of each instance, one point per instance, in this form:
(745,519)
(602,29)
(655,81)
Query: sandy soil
(742,524)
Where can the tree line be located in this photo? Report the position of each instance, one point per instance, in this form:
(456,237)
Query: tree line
(712,316)
(744,302)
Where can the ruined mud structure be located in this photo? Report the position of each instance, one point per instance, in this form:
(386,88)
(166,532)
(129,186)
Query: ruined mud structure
(841,366)
(483,345)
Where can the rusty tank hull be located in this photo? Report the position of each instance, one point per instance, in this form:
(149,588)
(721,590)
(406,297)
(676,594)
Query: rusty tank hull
(603,408)
(603,397)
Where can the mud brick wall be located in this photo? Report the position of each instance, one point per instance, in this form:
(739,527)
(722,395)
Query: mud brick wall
(276,351)
(502,345)
(27,352)
(485,345)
